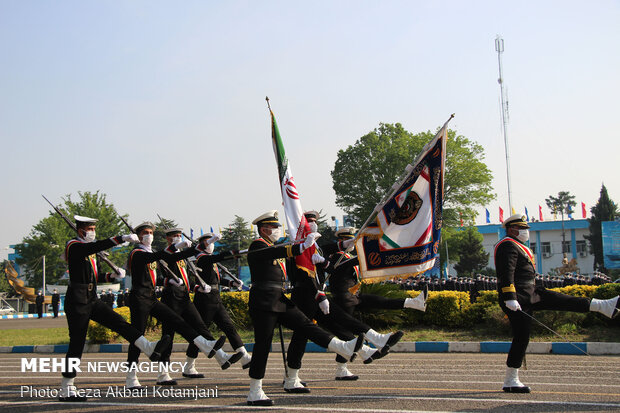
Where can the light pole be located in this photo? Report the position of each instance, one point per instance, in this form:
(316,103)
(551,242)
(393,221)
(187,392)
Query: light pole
(499,48)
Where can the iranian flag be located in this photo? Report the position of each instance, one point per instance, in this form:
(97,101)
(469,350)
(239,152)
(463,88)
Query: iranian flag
(296,223)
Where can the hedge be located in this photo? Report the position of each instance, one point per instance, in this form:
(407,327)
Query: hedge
(444,309)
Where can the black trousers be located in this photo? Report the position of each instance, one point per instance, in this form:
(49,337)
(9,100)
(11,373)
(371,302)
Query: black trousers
(188,312)
(214,313)
(338,322)
(55,310)
(78,315)
(372,301)
(521,324)
(40,311)
(141,307)
(264,322)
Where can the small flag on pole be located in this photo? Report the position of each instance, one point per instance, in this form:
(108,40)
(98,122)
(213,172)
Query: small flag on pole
(540,217)
(501,215)
(527,216)
(488,216)
(583,209)
(512,211)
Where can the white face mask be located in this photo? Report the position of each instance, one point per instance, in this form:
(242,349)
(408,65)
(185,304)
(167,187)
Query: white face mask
(313,227)
(210,248)
(176,240)
(524,235)
(89,236)
(274,235)
(147,240)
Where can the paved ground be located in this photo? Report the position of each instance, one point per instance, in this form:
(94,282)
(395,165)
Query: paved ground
(21,323)
(400,382)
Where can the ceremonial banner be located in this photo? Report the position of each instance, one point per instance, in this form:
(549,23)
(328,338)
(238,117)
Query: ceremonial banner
(296,223)
(401,238)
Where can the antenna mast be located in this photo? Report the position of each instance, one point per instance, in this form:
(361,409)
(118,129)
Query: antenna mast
(499,48)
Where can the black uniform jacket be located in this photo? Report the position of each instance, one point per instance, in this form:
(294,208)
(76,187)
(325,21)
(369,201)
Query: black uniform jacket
(178,265)
(268,274)
(516,272)
(343,278)
(143,267)
(83,270)
(210,274)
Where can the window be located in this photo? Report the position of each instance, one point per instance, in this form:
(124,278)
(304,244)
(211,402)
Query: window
(545,249)
(566,247)
(533,247)
(582,248)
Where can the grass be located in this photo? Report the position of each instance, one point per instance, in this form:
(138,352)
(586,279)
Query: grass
(595,333)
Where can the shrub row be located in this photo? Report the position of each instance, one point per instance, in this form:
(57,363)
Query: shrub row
(451,309)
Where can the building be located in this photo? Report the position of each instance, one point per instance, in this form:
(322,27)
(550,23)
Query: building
(546,242)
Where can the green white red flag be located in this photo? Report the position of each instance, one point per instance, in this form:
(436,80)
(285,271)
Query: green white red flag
(296,222)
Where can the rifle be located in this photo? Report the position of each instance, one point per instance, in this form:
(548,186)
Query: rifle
(162,263)
(71,224)
(220,266)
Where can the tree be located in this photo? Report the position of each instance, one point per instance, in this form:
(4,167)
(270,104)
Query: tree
(472,257)
(563,203)
(604,210)
(159,235)
(49,236)
(237,236)
(364,172)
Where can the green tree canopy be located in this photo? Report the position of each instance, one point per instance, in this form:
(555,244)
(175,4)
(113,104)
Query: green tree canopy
(365,171)
(604,210)
(49,236)
(471,255)
(237,236)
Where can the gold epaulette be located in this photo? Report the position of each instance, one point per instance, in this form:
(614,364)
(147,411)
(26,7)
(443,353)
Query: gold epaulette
(510,289)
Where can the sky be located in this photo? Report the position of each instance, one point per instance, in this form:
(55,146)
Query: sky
(161,104)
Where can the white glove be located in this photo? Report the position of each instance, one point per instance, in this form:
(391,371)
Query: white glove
(324,306)
(237,285)
(214,238)
(121,274)
(175,282)
(317,258)
(133,238)
(512,305)
(311,239)
(205,288)
(183,244)
(347,243)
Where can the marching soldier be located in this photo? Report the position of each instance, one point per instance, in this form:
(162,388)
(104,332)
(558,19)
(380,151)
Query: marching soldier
(143,302)
(209,304)
(176,296)
(309,297)
(55,302)
(82,304)
(519,297)
(269,306)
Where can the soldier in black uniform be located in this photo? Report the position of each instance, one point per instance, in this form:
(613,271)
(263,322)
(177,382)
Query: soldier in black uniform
(142,301)
(269,306)
(519,297)
(82,304)
(209,304)
(176,296)
(55,302)
(309,297)
(39,303)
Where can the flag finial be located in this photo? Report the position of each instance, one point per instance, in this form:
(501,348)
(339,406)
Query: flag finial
(268,105)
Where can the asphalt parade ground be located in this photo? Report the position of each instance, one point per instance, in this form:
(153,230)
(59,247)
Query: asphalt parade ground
(400,382)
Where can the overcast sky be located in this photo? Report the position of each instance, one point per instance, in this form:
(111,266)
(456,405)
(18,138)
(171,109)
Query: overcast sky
(161,104)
